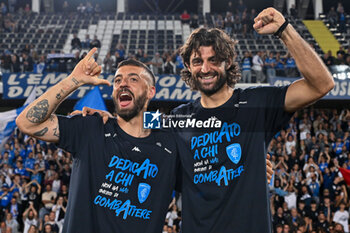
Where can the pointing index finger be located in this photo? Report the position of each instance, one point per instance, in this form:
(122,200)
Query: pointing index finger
(91,53)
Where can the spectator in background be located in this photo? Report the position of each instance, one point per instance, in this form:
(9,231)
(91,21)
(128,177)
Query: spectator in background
(48,199)
(145,59)
(12,6)
(95,43)
(340,7)
(229,20)
(237,24)
(328,59)
(30,217)
(332,17)
(59,208)
(3,8)
(11,223)
(185,17)
(157,64)
(27,9)
(246,65)
(291,67)
(86,43)
(75,43)
(117,59)
(10,25)
(97,8)
(241,8)
(89,8)
(270,63)
(219,22)
(65,7)
(169,66)
(342,217)
(230,7)
(108,63)
(15,64)
(258,66)
(41,65)
(341,20)
(340,58)
(6,62)
(81,8)
(194,22)
(245,21)
(139,54)
(293,12)
(121,50)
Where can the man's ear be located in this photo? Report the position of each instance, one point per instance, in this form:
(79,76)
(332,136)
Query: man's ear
(151,92)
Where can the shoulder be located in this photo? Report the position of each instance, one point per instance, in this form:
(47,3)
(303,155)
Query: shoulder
(186,108)
(264,94)
(95,118)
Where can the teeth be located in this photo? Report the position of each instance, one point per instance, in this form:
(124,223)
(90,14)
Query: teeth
(208,77)
(124,94)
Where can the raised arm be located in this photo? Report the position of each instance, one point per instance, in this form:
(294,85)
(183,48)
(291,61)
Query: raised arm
(38,120)
(317,80)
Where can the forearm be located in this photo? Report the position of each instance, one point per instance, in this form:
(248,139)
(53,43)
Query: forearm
(36,119)
(308,62)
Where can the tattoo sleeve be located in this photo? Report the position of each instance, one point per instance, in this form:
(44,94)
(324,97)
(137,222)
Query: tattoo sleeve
(38,112)
(41,132)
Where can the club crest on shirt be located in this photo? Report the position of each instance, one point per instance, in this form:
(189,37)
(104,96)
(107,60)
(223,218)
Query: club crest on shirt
(143,192)
(234,152)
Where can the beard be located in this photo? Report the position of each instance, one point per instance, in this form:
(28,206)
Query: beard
(128,114)
(219,83)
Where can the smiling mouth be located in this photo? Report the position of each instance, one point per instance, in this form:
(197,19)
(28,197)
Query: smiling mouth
(207,79)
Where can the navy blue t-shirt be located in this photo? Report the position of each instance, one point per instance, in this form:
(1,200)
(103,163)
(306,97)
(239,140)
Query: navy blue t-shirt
(119,183)
(224,183)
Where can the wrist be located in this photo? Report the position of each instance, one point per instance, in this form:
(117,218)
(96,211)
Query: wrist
(286,32)
(73,81)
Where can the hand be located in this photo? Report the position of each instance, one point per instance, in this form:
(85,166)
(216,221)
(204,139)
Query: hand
(268,21)
(269,170)
(90,111)
(87,71)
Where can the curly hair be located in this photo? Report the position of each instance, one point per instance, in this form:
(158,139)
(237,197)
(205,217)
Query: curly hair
(223,47)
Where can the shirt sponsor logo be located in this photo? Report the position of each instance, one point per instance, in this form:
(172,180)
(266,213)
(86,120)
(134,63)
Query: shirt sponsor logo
(136,149)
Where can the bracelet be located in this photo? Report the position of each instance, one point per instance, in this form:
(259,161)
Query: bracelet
(278,33)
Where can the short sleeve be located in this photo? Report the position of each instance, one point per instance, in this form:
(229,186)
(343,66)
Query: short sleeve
(75,131)
(276,117)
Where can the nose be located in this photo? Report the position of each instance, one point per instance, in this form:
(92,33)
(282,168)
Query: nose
(205,67)
(124,82)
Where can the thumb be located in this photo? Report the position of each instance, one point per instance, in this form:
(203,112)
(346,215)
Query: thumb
(268,156)
(101,81)
(258,24)
(86,110)
(105,119)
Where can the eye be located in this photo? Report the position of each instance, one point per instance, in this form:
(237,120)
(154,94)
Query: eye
(213,60)
(133,79)
(196,62)
(117,80)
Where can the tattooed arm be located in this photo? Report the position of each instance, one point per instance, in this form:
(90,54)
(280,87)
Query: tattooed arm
(38,120)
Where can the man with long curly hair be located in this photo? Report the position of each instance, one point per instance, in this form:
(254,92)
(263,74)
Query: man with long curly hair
(223,180)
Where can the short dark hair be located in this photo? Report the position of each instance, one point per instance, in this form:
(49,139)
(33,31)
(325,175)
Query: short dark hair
(133,62)
(223,46)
